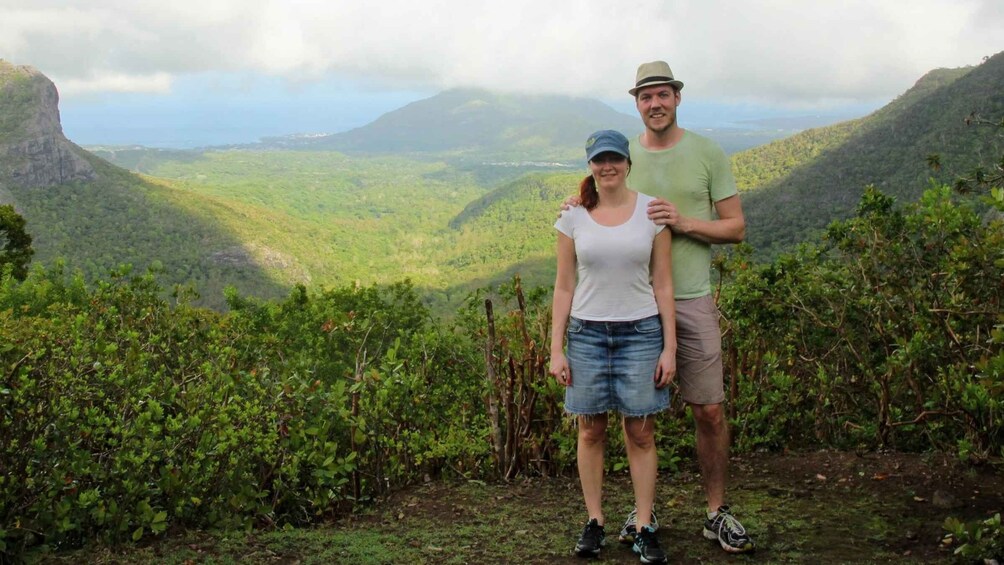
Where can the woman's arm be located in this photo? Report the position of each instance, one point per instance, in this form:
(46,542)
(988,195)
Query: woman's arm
(662,285)
(561,307)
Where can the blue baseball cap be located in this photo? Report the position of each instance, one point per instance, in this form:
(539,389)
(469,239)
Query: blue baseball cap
(607,140)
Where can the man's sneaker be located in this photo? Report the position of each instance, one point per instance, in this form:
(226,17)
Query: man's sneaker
(591,541)
(728,532)
(631,525)
(646,545)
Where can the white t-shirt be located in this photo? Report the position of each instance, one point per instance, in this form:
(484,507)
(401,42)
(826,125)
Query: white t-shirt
(612,264)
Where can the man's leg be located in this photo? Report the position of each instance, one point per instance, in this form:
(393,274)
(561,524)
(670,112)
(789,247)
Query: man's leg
(701,381)
(713,456)
(712,451)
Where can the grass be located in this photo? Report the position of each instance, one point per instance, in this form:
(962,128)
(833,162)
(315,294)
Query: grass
(824,508)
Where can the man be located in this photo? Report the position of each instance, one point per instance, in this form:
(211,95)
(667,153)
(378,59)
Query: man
(696,198)
(690,174)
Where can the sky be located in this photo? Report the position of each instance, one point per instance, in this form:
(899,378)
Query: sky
(185,73)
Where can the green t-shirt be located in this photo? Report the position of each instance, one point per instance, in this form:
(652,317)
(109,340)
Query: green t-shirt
(693,175)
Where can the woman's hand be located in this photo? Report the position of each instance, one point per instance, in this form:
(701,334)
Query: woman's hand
(665,370)
(559,368)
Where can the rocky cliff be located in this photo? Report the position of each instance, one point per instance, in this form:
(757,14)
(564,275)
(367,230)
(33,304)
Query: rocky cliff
(33,150)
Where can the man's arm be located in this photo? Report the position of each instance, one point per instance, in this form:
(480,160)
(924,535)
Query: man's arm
(729,227)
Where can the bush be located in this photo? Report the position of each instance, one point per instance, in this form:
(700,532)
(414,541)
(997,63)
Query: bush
(887,334)
(122,415)
(980,541)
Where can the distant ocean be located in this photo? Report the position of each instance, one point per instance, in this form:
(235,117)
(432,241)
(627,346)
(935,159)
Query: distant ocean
(161,137)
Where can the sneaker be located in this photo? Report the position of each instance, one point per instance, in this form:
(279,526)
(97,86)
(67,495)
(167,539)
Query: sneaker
(591,541)
(646,545)
(631,525)
(728,532)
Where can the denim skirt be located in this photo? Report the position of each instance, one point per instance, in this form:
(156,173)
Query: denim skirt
(613,367)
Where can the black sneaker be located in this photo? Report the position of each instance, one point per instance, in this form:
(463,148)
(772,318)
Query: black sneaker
(591,541)
(728,532)
(646,545)
(631,525)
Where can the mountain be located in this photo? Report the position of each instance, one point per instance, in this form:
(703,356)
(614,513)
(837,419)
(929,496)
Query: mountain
(796,186)
(471,121)
(33,150)
(96,216)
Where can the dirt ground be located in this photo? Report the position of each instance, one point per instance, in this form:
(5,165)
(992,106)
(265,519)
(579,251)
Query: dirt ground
(819,507)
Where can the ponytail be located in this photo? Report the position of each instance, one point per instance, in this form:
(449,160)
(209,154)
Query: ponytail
(588,195)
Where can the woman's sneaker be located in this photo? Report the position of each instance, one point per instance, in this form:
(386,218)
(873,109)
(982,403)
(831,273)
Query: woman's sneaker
(631,525)
(724,528)
(646,545)
(591,541)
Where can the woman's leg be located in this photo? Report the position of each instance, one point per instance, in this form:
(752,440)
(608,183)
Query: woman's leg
(639,438)
(589,455)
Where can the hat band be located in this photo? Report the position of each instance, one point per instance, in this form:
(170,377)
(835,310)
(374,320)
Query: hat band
(647,80)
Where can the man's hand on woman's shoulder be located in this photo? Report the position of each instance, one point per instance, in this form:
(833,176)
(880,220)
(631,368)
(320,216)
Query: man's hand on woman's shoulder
(570,202)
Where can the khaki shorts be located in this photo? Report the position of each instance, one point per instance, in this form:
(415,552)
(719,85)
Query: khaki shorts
(699,351)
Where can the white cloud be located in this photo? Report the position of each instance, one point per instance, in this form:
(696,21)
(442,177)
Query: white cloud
(764,51)
(159,83)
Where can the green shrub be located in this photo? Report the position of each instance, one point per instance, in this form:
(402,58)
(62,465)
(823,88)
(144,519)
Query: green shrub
(888,333)
(121,415)
(979,541)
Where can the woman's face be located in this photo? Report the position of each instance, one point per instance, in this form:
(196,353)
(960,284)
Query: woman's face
(609,169)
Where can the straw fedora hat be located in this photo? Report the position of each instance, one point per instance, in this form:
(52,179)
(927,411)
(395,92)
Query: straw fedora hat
(656,72)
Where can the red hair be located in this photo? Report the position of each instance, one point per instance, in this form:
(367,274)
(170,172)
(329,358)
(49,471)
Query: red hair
(587,193)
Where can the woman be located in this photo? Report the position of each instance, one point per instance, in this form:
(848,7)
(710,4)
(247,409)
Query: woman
(621,332)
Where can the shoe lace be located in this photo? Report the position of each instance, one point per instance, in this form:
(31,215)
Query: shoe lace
(726,521)
(593,532)
(645,538)
(632,518)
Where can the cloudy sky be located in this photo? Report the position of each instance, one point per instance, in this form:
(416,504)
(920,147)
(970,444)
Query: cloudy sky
(185,72)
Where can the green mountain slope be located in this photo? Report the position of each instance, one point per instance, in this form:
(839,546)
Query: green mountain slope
(120,218)
(511,230)
(760,166)
(340,219)
(798,185)
(97,216)
(344,218)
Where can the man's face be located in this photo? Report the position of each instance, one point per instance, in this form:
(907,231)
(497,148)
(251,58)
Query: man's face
(657,107)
